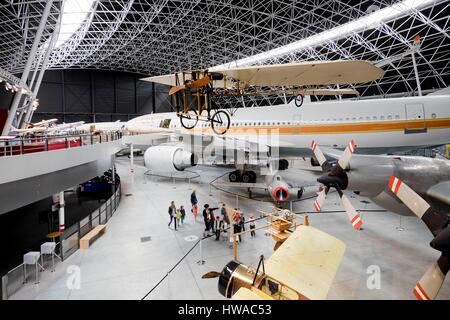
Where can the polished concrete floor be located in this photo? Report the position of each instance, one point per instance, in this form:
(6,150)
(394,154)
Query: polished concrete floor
(138,250)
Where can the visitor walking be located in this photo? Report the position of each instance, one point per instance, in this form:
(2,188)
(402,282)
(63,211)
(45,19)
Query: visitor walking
(172,213)
(183,214)
(252,225)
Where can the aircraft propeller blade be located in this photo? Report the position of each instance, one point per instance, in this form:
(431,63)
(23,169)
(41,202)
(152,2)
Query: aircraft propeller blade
(431,282)
(336,177)
(408,196)
(344,159)
(211,274)
(433,220)
(353,216)
(320,157)
(321,199)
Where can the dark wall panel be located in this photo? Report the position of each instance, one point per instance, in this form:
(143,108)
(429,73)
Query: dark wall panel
(144,97)
(77,98)
(104,92)
(53,96)
(94,95)
(125,93)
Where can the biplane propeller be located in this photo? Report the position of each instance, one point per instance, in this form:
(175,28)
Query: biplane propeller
(302,268)
(335,177)
(431,282)
(193,90)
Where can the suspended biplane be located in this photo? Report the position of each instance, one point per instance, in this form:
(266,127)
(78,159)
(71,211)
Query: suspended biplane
(194,90)
(302,268)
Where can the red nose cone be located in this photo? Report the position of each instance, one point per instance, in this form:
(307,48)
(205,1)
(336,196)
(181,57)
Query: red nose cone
(281,194)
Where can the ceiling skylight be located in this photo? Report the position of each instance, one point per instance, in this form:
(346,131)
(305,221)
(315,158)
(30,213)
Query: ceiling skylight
(75,12)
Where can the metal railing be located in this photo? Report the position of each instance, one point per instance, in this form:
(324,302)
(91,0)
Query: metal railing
(14,279)
(43,143)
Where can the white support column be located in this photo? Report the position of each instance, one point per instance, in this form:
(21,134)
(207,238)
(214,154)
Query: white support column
(24,108)
(419,89)
(132,168)
(131,158)
(113,172)
(340,96)
(62,203)
(37,85)
(26,71)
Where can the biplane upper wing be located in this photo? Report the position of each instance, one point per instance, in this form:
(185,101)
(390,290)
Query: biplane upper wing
(306,73)
(290,74)
(169,79)
(307,262)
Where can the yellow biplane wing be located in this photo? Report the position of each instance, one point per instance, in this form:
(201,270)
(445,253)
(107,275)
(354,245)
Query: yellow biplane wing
(307,262)
(250,294)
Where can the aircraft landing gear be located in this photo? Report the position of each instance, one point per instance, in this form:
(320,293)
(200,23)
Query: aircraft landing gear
(249,177)
(300,193)
(235,176)
(246,177)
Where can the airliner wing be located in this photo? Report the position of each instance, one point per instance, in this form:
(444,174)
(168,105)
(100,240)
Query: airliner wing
(332,153)
(257,185)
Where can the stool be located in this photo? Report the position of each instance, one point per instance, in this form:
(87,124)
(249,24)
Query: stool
(48,248)
(31,258)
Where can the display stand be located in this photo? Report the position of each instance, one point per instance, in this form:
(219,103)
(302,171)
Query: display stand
(399,227)
(201,261)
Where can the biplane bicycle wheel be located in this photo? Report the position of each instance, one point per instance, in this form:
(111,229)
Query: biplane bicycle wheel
(299,100)
(189,120)
(220,122)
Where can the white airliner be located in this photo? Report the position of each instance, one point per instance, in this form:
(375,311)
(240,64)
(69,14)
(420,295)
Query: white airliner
(101,126)
(379,126)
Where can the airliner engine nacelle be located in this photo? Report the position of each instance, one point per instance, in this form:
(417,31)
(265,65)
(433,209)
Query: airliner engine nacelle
(367,175)
(279,189)
(166,159)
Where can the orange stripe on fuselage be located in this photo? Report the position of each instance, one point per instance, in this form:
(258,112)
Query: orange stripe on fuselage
(336,128)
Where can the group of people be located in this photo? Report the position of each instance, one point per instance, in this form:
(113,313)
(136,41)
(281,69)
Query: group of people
(239,223)
(214,224)
(177,216)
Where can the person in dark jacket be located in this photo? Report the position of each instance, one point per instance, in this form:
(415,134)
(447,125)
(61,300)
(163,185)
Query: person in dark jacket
(219,227)
(193,198)
(172,211)
(237,229)
(242,223)
(206,216)
(212,219)
(183,214)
